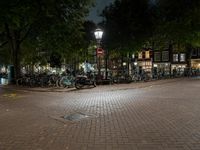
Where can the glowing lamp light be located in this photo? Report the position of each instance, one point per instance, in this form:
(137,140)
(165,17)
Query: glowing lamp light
(3,69)
(98,34)
(135,63)
(124,63)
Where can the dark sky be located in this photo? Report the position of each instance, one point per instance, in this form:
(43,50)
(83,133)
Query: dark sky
(94,13)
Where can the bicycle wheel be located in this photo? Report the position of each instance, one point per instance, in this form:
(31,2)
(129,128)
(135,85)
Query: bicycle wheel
(78,85)
(94,83)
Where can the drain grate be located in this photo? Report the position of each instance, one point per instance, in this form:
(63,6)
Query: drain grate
(75,117)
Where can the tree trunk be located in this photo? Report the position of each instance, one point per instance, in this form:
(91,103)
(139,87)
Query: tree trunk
(13,37)
(16,60)
(190,50)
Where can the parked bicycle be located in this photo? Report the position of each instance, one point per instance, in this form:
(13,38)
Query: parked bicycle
(67,81)
(85,80)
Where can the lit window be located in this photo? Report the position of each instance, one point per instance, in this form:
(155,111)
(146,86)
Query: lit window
(140,55)
(147,54)
(182,57)
(175,57)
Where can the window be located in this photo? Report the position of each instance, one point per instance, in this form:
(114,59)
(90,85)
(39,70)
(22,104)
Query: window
(157,56)
(140,55)
(198,52)
(194,52)
(182,57)
(147,54)
(175,57)
(165,56)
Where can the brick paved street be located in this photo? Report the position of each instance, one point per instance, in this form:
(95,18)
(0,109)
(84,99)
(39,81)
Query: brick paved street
(159,115)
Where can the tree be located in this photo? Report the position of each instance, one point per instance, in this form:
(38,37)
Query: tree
(51,24)
(127,24)
(89,40)
(178,21)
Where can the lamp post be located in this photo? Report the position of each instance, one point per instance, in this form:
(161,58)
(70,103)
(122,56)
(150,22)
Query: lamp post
(98,35)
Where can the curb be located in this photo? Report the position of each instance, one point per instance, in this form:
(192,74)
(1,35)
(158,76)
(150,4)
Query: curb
(116,86)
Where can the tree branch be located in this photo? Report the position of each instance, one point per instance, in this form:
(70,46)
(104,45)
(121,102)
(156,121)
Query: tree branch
(3,44)
(8,34)
(26,34)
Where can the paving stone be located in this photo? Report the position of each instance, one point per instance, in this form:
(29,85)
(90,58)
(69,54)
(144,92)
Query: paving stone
(160,115)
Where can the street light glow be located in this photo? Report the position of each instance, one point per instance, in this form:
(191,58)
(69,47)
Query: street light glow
(155,65)
(98,34)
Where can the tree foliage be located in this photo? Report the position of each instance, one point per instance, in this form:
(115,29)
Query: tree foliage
(53,25)
(178,21)
(127,23)
(131,23)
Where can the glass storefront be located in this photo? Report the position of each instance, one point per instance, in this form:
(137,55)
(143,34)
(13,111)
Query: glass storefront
(145,65)
(195,63)
(178,69)
(162,68)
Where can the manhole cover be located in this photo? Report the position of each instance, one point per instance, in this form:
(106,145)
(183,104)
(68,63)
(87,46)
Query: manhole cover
(75,117)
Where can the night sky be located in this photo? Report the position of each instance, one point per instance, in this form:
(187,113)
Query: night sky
(94,13)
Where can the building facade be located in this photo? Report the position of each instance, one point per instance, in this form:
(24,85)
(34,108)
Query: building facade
(195,61)
(162,63)
(195,58)
(144,61)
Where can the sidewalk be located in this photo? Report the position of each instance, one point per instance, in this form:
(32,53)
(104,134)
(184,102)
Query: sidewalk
(157,115)
(111,87)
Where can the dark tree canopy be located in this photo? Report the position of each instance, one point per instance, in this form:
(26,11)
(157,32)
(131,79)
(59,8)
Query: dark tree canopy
(179,21)
(131,23)
(127,23)
(47,24)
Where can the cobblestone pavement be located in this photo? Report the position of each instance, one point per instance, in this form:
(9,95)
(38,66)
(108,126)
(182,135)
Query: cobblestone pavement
(161,115)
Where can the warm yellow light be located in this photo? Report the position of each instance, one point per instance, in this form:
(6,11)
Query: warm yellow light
(147,54)
(140,55)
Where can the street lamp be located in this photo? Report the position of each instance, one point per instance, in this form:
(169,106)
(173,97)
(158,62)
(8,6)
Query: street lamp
(98,35)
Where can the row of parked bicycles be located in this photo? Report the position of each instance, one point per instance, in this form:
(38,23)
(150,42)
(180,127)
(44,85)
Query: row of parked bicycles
(67,80)
(148,76)
(55,80)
